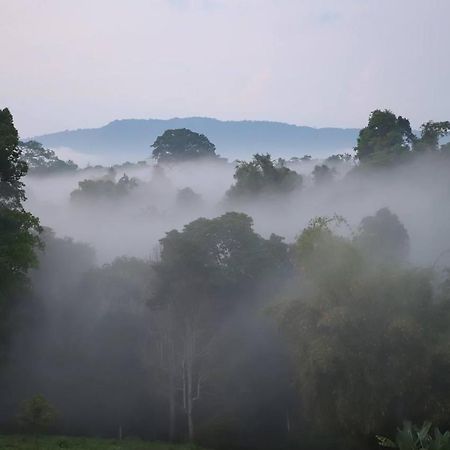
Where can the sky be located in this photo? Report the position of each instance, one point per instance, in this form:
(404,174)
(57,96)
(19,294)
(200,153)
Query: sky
(68,64)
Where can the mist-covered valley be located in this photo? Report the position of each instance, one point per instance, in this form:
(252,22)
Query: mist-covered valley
(133,224)
(255,304)
(224,225)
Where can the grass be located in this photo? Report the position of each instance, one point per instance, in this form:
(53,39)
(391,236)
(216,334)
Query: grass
(24,442)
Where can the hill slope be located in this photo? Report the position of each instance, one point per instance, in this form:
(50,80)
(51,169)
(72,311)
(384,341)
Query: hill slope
(131,138)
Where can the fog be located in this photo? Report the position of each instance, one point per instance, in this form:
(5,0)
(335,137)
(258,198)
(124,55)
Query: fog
(132,226)
(121,335)
(166,283)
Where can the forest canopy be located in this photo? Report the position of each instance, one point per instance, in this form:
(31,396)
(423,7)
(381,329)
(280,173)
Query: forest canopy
(264,304)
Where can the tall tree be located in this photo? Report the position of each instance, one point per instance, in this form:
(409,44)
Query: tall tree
(182,145)
(204,270)
(388,138)
(19,230)
(385,136)
(12,168)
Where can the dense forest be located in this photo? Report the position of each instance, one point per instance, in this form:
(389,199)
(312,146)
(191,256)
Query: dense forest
(260,304)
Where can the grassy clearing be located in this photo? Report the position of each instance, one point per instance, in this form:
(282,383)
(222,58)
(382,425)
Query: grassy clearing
(22,442)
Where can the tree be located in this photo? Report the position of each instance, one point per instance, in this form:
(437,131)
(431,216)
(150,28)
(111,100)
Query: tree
(339,158)
(339,161)
(37,414)
(104,189)
(19,230)
(182,145)
(187,198)
(260,176)
(322,174)
(385,137)
(355,331)
(12,168)
(203,273)
(383,237)
(41,160)
(100,313)
(430,132)
(388,138)
(19,239)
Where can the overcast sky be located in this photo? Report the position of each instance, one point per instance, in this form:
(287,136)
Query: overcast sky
(73,64)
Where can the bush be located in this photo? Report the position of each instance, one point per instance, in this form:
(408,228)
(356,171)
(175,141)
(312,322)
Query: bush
(411,437)
(37,414)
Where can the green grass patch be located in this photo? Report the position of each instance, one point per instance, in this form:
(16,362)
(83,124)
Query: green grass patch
(25,442)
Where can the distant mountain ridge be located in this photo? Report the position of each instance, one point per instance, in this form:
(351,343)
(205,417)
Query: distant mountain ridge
(131,138)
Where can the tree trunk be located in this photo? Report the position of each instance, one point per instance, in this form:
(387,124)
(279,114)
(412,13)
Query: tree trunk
(190,352)
(189,403)
(171,405)
(172,367)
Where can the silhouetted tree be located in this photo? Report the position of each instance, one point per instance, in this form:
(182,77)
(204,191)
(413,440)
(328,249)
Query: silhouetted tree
(12,168)
(430,132)
(19,230)
(182,145)
(41,160)
(261,175)
(339,158)
(388,138)
(322,174)
(187,198)
(385,137)
(383,237)
(104,188)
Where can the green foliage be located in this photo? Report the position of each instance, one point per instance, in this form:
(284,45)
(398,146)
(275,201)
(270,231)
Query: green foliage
(104,189)
(41,160)
(18,240)
(182,145)
(205,272)
(356,330)
(412,437)
(37,414)
(388,139)
(220,253)
(262,176)
(12,168)
(19,230)
(430,134)
(385,138)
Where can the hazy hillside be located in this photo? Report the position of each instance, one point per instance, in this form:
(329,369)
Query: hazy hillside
(233,139)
